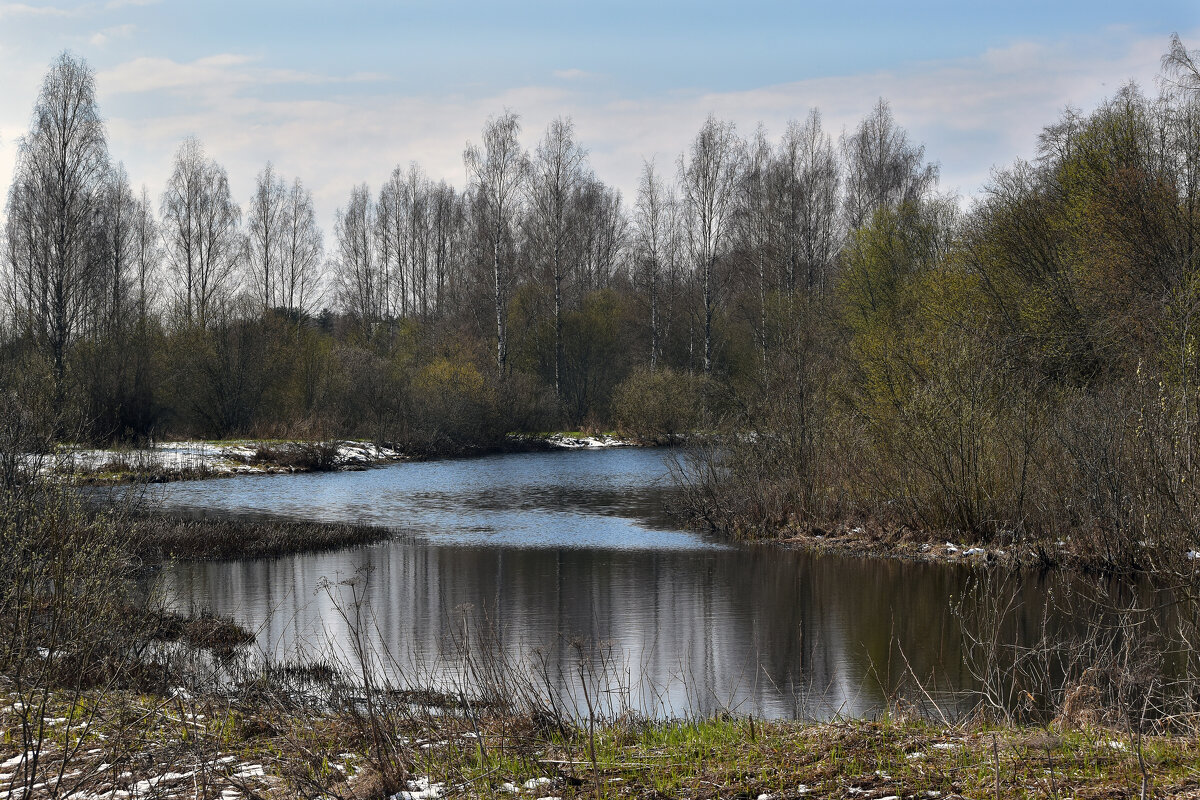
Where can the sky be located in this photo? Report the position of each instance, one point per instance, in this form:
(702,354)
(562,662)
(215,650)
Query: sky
(340,93)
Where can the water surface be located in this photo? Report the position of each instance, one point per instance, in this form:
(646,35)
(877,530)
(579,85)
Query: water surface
(547,549)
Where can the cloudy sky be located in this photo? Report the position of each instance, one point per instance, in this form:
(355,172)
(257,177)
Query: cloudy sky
(339,94)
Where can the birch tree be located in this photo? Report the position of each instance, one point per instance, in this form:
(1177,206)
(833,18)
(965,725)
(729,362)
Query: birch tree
(708,175)
(555,177)
(53,206)
(810,178)
(883,169)
(652,218)
(302,257)
(200,225)
(265,236)
(358,273)
(498,173)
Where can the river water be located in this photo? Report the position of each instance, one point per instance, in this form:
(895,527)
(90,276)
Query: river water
(565,553)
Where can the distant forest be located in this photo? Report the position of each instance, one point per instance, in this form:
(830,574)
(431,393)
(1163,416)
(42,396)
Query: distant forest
(857,338)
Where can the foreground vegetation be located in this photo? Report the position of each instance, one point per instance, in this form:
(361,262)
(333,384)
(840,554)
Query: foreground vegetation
(182,745)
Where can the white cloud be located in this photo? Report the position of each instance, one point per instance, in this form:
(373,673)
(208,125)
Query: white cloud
(103,37)
(337,131)
(572,74)
(26,10)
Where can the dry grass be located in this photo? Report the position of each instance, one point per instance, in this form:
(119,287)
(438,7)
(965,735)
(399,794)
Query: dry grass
(163,536)
(217,743)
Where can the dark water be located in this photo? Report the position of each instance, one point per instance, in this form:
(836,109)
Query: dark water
(549,548)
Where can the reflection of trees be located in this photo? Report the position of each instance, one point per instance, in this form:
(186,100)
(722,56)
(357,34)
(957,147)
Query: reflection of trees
(757,630)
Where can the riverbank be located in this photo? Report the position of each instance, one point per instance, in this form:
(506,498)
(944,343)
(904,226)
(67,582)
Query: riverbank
(867,538)
(194,459)
(263,744)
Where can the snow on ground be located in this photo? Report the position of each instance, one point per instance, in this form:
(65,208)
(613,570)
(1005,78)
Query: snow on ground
(579,442)
(190,458)
(179,458)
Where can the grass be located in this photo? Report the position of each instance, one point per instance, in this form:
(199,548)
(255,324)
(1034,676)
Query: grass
(161,537)
(306,751)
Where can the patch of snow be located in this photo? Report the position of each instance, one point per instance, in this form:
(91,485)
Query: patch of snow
(1116,745)
(421,789)
(144,787)
(945,746)
(1192,555)
(534,783)
(250,771)
(17,760)
(585,442)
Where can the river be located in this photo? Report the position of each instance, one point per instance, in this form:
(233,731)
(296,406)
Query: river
(548,549)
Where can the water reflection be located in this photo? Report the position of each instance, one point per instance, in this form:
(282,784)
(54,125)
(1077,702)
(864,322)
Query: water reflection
(551,547)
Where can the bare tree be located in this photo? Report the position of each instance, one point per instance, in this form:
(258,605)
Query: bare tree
(1182,65)
(601,233)
(358,271)
(447,214)
(302,252)
(652,221)
(117,253)
(200,231)
(498,173)
(147,257)
(708,175)
(391,230)
(756,227)
(57,191)
(810,175)
(556,174)
(882,169)
(265,236)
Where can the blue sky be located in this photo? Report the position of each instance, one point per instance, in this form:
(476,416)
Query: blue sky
(340,93)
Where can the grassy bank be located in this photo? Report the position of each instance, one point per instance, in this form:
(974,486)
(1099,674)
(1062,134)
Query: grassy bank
(162,536)
(181,745)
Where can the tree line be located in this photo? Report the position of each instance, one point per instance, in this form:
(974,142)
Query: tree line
(861,342)
(524,299)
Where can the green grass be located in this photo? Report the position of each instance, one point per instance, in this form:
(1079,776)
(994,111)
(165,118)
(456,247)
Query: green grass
(711,758)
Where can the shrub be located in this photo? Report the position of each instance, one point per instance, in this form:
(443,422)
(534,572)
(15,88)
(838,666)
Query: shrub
(659,405)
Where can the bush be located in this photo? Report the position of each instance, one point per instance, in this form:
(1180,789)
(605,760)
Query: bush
(659,405)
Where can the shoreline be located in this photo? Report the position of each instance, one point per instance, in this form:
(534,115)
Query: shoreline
(199,460)
(855,537)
